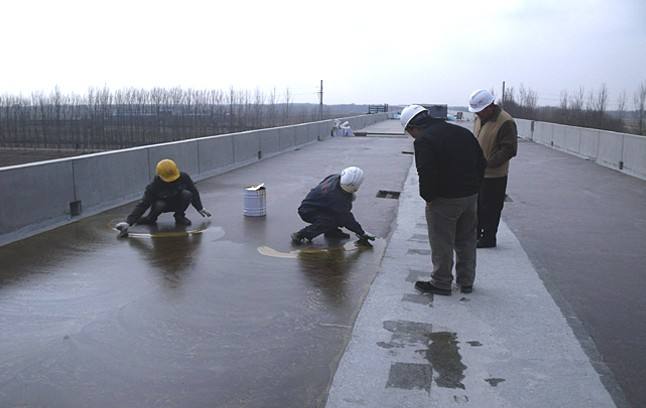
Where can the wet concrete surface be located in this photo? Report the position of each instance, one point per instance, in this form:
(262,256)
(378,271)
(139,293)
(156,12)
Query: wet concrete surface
(584,228)
(196,320)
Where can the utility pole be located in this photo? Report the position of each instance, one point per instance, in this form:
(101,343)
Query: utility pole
(321,102)
(503,94)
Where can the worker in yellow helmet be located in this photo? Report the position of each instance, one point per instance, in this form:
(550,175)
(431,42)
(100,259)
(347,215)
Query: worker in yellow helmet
(170,191)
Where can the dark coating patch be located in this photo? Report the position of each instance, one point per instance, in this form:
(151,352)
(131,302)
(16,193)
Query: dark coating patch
(474,343)
(408,333)
(410,376)
(415,251)
(445,359)
(389,345)
(494,381)
(464,299)
(425,299)
(415,275)
(419,237)
(441,350)
(460,399)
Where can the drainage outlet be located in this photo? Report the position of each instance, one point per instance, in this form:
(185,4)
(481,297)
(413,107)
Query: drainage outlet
(388,194)
(75,208)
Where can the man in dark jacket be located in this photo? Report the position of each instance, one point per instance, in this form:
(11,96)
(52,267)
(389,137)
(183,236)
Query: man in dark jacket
(170,191)
(450,166)
(328,206)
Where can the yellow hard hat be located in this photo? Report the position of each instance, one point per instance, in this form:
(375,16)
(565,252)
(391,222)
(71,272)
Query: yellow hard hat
(167,170)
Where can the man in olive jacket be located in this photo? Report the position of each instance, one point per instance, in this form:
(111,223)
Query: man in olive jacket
(450,166)
(497,134)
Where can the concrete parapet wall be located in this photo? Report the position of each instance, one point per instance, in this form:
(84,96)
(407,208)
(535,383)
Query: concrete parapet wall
(619,151)
(524,127)
(39,196)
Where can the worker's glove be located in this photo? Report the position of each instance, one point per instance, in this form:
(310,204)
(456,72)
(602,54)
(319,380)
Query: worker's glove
(123,229)
(204,213)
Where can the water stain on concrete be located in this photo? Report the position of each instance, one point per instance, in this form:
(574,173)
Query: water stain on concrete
(443,354)
(494,381)
(410,376)
(441,351)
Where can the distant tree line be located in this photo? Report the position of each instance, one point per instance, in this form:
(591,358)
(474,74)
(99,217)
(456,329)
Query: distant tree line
(108,119)
(583,109)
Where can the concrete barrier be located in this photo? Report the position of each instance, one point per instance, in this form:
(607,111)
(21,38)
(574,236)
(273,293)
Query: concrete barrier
(619,151)
(610,149)
(216,154)
(33,195)
(102,179)
(634,156)
(589,146)
(40,196)
(524,127)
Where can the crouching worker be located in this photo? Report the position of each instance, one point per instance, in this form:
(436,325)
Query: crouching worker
(328,206)
(170,191)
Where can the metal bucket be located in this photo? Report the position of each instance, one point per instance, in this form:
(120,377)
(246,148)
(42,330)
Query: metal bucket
(255,201)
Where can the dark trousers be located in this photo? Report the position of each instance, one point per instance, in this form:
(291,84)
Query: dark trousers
(490,202)
(452,227)
(321,222)
(177,204)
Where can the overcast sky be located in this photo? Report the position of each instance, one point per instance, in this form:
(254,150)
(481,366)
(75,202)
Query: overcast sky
(365,51)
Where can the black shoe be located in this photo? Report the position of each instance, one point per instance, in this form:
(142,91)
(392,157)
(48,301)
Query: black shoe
(425,286)
(486,243)
(299,239)
(336,234)
(466,289)
(146,221)
(182,220)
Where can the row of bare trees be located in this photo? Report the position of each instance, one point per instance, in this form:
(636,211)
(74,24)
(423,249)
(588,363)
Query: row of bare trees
(581,108)
(106,119)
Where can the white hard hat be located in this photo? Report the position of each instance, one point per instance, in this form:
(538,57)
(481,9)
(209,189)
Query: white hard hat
(351,179)
(479,100)
(409,112)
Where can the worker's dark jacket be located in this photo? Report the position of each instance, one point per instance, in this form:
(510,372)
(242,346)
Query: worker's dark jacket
(328,197)
(449,161)
(158,189)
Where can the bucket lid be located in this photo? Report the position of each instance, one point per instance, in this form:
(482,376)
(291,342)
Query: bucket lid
(260,186)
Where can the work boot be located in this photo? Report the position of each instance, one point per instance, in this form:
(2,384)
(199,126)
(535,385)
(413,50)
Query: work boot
(336,234)
(182,220)
(426,286)
(146,221)
(299,239)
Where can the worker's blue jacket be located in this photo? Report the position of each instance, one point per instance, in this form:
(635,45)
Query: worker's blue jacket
(328,197)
